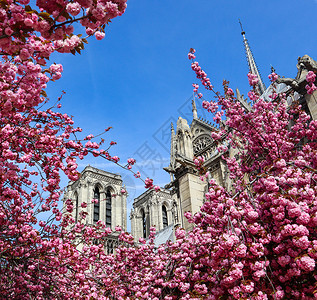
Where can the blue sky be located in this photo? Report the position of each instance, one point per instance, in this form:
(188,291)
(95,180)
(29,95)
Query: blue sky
(138,78)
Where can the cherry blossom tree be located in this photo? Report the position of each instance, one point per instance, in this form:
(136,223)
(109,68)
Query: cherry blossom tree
(38,258)
(255,241)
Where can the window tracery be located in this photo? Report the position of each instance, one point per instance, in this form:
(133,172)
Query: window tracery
(201,143)
(96,204)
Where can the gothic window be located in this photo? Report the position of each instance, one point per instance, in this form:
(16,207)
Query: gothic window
(96,205)
(76,207)
(108,208)
(164,214)
(201,143)
(143,223)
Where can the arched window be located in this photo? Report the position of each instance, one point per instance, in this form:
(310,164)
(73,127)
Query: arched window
(96,205)
(108,208)
(164,215)
(76,207)
(143,223)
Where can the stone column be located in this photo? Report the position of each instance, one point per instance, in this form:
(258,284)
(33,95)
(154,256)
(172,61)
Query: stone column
(147,221)
(114,211)
(124,211)
(160,217)
(102,207)
(138,227)
(132,222)
(90,207)
(312,104)
(151,212)
(170,215)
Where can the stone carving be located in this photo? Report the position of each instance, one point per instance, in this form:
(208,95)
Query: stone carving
(289,81)
(306,62)
(201,143)
(214,167)
(164,195)
(175,212)
(105,178)
(75,185)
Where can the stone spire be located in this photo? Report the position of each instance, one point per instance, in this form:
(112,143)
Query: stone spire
(194,109)
(243,101)
(251,62)
(173,148)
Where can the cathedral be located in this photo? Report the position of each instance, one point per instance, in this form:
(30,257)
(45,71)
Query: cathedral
(185,192)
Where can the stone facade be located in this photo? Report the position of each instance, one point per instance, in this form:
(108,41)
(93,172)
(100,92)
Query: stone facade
(112,204)
(153,209)
(188,142)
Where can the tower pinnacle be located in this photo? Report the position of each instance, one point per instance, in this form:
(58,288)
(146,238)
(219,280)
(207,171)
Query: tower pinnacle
(253,69)
(172,129)
(194,109)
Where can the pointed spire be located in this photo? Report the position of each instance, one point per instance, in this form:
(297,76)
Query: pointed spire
(243,101)
(172,129)
(251,62)
(173,148)
(272,69)
(238,94)
(194,109)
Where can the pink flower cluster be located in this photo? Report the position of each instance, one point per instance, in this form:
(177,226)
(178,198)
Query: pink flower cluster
(191,55)
(199,161)
(137,174)
(148,183)
(53,21)
(253,79)
(273,77)
(115,159)
(200,74)
(131,162)
(310,78)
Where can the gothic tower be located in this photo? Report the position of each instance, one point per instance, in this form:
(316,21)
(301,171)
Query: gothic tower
(186,186)
(154,209)
(105,187)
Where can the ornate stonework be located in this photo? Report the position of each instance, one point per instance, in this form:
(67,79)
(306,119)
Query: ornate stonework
(111,207)
(152,209)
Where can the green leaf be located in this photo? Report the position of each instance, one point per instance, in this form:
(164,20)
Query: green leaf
(44,15)
(43,93)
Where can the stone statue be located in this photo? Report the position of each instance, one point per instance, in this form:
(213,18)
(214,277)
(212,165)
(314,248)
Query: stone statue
(175,212)
(304,63)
